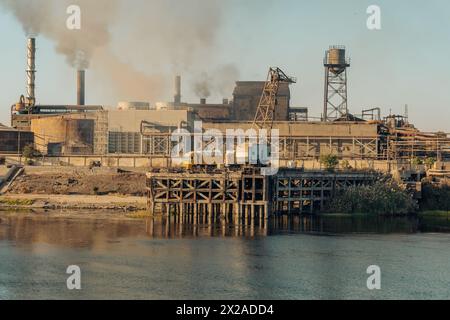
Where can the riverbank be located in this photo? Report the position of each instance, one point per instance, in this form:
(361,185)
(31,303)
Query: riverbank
(76,188)
(78,181)
(123,190)
(76,202)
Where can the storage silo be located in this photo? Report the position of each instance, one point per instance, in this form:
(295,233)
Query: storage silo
(56,135)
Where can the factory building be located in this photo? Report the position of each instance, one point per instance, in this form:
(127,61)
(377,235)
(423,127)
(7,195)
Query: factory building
(142,128)
(246,98)
(125,126)
(247,95)
(26,109)
(13,140)
(103,132)
(22,121)
(300,140)
(82,129)
(71,135)
(212,112)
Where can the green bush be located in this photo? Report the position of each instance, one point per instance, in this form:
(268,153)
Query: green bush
(416,161)
(29,152)
(382,197)
(435,197)
(329,161)
(429,162)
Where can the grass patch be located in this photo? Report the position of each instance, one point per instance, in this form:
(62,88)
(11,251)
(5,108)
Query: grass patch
(434,213)
(17,202)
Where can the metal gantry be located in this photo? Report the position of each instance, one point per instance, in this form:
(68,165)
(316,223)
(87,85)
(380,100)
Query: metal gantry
(201,197)
(265,113)
(245,195)
(307,192)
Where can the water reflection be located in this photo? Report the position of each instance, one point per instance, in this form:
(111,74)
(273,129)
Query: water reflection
(165,259)
(91,232)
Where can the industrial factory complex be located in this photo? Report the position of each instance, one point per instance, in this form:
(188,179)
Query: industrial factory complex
(139,134)
(139,128)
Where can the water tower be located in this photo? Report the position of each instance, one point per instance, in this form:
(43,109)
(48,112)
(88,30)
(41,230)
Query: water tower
(335,97)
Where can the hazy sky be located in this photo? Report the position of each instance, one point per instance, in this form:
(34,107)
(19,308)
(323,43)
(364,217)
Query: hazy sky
(406,62)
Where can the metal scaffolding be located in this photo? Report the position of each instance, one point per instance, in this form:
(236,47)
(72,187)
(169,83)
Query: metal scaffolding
(290,147)
(245,195)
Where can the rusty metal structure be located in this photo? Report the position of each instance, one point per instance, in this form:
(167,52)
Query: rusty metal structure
(245,195)
(307,192)
(407,143)
(202,195)
(298,140)
(247,96)
(265,113)
(156,139)
(335,95)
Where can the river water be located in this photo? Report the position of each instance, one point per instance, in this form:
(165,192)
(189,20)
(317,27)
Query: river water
(298,258)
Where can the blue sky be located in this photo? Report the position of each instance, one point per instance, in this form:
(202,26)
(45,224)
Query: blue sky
(406,62)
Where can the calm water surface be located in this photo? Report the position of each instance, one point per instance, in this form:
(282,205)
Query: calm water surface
(299,258)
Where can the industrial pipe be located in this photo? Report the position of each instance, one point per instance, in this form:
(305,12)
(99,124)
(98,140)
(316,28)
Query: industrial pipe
(80,87)
(31,72)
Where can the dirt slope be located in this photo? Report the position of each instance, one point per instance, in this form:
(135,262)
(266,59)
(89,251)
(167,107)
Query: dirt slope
(80,183)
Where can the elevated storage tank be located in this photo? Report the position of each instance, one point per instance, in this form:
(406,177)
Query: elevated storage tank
(336,56)
(335,94)
(335,59)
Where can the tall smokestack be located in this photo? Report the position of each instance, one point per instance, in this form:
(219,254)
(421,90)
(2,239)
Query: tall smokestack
(31,72)
(80,87)
(177,97)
